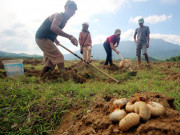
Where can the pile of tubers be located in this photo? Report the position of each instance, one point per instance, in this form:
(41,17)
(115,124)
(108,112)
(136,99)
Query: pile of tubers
(135,110)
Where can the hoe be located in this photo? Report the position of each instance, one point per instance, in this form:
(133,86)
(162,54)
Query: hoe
(126,63)
(89,64)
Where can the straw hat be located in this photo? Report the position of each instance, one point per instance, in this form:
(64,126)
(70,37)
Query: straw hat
(85,24)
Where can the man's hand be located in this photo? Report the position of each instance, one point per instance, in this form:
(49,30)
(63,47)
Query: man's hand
(147,45)
(117,52)
(135,41)
(73,40)
(57,42)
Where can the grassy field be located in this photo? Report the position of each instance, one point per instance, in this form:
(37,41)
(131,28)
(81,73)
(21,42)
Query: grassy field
(30,105)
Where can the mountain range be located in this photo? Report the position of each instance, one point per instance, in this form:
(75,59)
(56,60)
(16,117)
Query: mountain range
(158,49)
(19,55)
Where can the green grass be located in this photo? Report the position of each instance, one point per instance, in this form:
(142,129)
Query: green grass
(30,106)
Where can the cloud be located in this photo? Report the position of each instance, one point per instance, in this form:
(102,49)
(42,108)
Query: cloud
(99,39)
(18,40)
(96,20)
(139,0)
(134,19)
(89,8)
(9,32)
(20,19)
(169,1)
(167,37)
(151,19)
(128,35)
(156,19)
(172,38)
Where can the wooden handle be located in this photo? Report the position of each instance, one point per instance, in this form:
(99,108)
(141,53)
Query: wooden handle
(121,56)
(104,73)
(89,64)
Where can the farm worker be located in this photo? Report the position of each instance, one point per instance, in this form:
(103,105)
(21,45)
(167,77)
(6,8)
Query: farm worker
(112,42)
(85,42)
(46,37)
(141,39)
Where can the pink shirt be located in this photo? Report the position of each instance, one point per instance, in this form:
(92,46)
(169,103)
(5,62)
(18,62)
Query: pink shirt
(113,39)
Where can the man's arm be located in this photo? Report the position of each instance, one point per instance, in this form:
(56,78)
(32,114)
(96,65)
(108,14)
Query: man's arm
(80,40)
(117,44)
(57,42)
(57,20)
(148,38)
(90,39)
(135,37)
(114,48)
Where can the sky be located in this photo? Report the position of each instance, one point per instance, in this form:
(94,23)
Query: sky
(20,20)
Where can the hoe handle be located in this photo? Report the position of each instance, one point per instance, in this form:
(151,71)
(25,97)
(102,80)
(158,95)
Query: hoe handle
(104,73)
(89,64)
(121,56)
(126,63)
(70,51)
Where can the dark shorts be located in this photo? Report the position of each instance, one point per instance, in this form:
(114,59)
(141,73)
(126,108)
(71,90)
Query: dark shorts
(138,49)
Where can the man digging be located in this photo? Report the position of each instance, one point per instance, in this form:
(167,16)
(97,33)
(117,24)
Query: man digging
(142,41)
(46,37)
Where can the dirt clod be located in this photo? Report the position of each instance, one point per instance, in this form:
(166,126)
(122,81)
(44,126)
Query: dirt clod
(97,120)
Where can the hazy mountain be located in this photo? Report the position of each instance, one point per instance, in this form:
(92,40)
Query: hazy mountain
(158,49)
(15,55)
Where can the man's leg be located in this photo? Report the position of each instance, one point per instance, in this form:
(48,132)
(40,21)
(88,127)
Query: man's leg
(89,53)
(61,67)
(44,70)
(144,50)
(85,53)
(139,61)
(147,58)
(48,66)
(110,57)
(106,49)
(138,54)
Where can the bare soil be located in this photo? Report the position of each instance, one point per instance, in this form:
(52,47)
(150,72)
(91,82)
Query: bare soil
(96,119)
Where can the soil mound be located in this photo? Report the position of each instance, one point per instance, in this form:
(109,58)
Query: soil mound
(33,62)
(96,119)
(55,74)
(2,74)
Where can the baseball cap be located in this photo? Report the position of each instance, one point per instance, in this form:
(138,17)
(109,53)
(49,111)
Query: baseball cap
(141,20)
(117,31)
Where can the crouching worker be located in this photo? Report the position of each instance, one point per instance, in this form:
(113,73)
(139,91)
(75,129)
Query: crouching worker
(46,37)
(85,42)
(112,42)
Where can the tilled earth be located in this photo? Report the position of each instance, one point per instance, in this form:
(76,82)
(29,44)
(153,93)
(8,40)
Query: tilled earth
(96,119)
(75,73)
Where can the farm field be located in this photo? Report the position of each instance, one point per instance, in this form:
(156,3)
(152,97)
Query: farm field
(79,102)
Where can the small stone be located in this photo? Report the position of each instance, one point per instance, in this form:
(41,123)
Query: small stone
(115,130)
(93,131)
(88,111)
(65,133)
